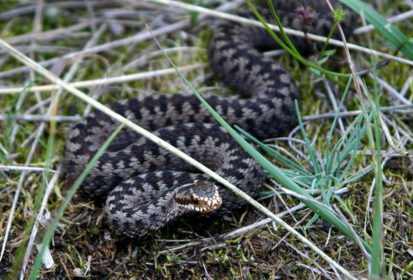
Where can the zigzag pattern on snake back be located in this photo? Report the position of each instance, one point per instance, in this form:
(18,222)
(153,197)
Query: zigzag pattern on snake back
(140,180)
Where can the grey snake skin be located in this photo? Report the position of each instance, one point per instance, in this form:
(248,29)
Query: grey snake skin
(138,178)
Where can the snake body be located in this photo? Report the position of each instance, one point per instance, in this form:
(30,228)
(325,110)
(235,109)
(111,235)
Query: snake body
(143,183)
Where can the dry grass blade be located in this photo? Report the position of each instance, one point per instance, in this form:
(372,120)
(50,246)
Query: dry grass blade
(107,81)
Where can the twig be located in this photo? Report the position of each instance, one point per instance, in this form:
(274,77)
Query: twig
(122,42)
(107,81)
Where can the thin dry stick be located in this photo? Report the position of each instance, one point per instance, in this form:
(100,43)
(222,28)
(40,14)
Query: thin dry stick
(39,217)
(107,81)
(231,234)
(49,35)
(335,103)
(19,188)
(122,42)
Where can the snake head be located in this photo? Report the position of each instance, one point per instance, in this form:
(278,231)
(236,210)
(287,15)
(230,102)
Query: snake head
(200,197)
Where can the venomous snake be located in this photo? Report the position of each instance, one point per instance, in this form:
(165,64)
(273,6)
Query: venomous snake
(144,185)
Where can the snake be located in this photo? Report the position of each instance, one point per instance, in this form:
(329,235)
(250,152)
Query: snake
(146,186)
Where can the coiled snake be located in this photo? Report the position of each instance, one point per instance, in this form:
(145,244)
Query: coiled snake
(145,185)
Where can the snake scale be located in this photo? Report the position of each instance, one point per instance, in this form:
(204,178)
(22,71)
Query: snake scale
(144,185)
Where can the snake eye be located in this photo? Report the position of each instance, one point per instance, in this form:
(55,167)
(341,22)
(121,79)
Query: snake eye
(200,197)
(195,199)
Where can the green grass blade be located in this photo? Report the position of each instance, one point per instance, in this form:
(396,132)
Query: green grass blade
(313,157)
(280,26)
(357,177)
(387,29)
(276,155)
(333,125)
(378,267)
(50,231)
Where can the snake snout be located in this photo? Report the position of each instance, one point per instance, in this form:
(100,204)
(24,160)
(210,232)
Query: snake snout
(200,197)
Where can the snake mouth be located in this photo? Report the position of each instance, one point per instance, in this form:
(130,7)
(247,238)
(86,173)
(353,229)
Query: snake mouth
(201,197)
